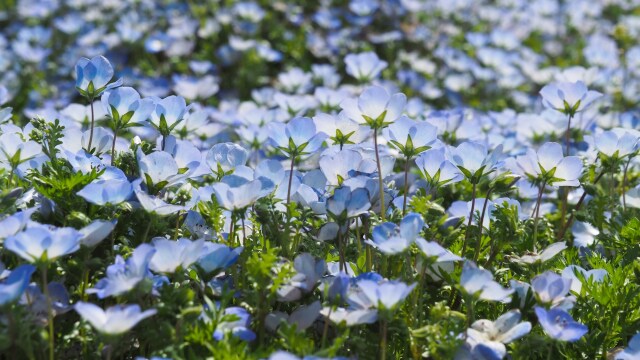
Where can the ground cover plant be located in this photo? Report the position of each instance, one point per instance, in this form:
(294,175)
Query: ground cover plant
(362,179)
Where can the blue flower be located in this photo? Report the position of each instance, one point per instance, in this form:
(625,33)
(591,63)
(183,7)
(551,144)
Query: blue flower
(112,187)
(549,164)
(96,231)
(632,351)
(171,255)
(381,295)
(479,283)
(552,289)
(436,169)
(123,276)
(411,137)
(616,144)
(168,113)
(115,320)
(43,243)
(297,137)
(218,257)
(364,66)
(568,97)
(93,76)
(393,239)
(345,203)
(236,193)
(125,108)
(224,157)
(486,338)
(375,107)
(475,161)
(236,321)
(559,325)
(15,284)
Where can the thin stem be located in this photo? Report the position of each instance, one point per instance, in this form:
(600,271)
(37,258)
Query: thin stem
(325,330)
(406,186)
(146,231)
(383,340)
(624,184)
(45,290)
(92,124)
(342,265)
(578,205)
(380,183)
(244,233)
(13,169)
(232,230)
(113,147)
(567,137)
(476,254)
(164,139)
(293,159)
(537,216)
(467,231)
(470,312)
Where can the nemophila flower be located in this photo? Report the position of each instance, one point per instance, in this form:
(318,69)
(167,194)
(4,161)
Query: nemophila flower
(217,257)
(544,256)
(14,150)
(474,160)
(350,317)
(154,204)
(236,321)
(339,166)
(41,243)
(115,320)
(168,113)
(123,276)
(38,304)
(222,158)
(479,283)
(571,272)
(584,234)
(15,284)
(112,187)
(550,166)
(486,339)
(236,193)
(297,137)
(568,97)
(171,255)
(559,325)
(309,271)
(632,351)
(93,76)
(15,223)
(158,170)
(302,317)
(96,231)
(345,203)
(633,197)
(384,295)
(101,141)
(340,129)
(364,66)
(616,144)
(391,239)
(375,107)
(410,137)
(435,252)
(125,108)
(552,289)
(437,169)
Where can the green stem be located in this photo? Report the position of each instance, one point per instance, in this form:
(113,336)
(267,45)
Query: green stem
(578,205)
(470,312)
(380,182)
(624,184)
(113,147)
(383,340)
(537,216)
(45,291)
(92,124)
(476,254)
(406,186)
(468,230)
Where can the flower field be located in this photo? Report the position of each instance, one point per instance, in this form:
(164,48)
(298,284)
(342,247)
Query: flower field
(290,179)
